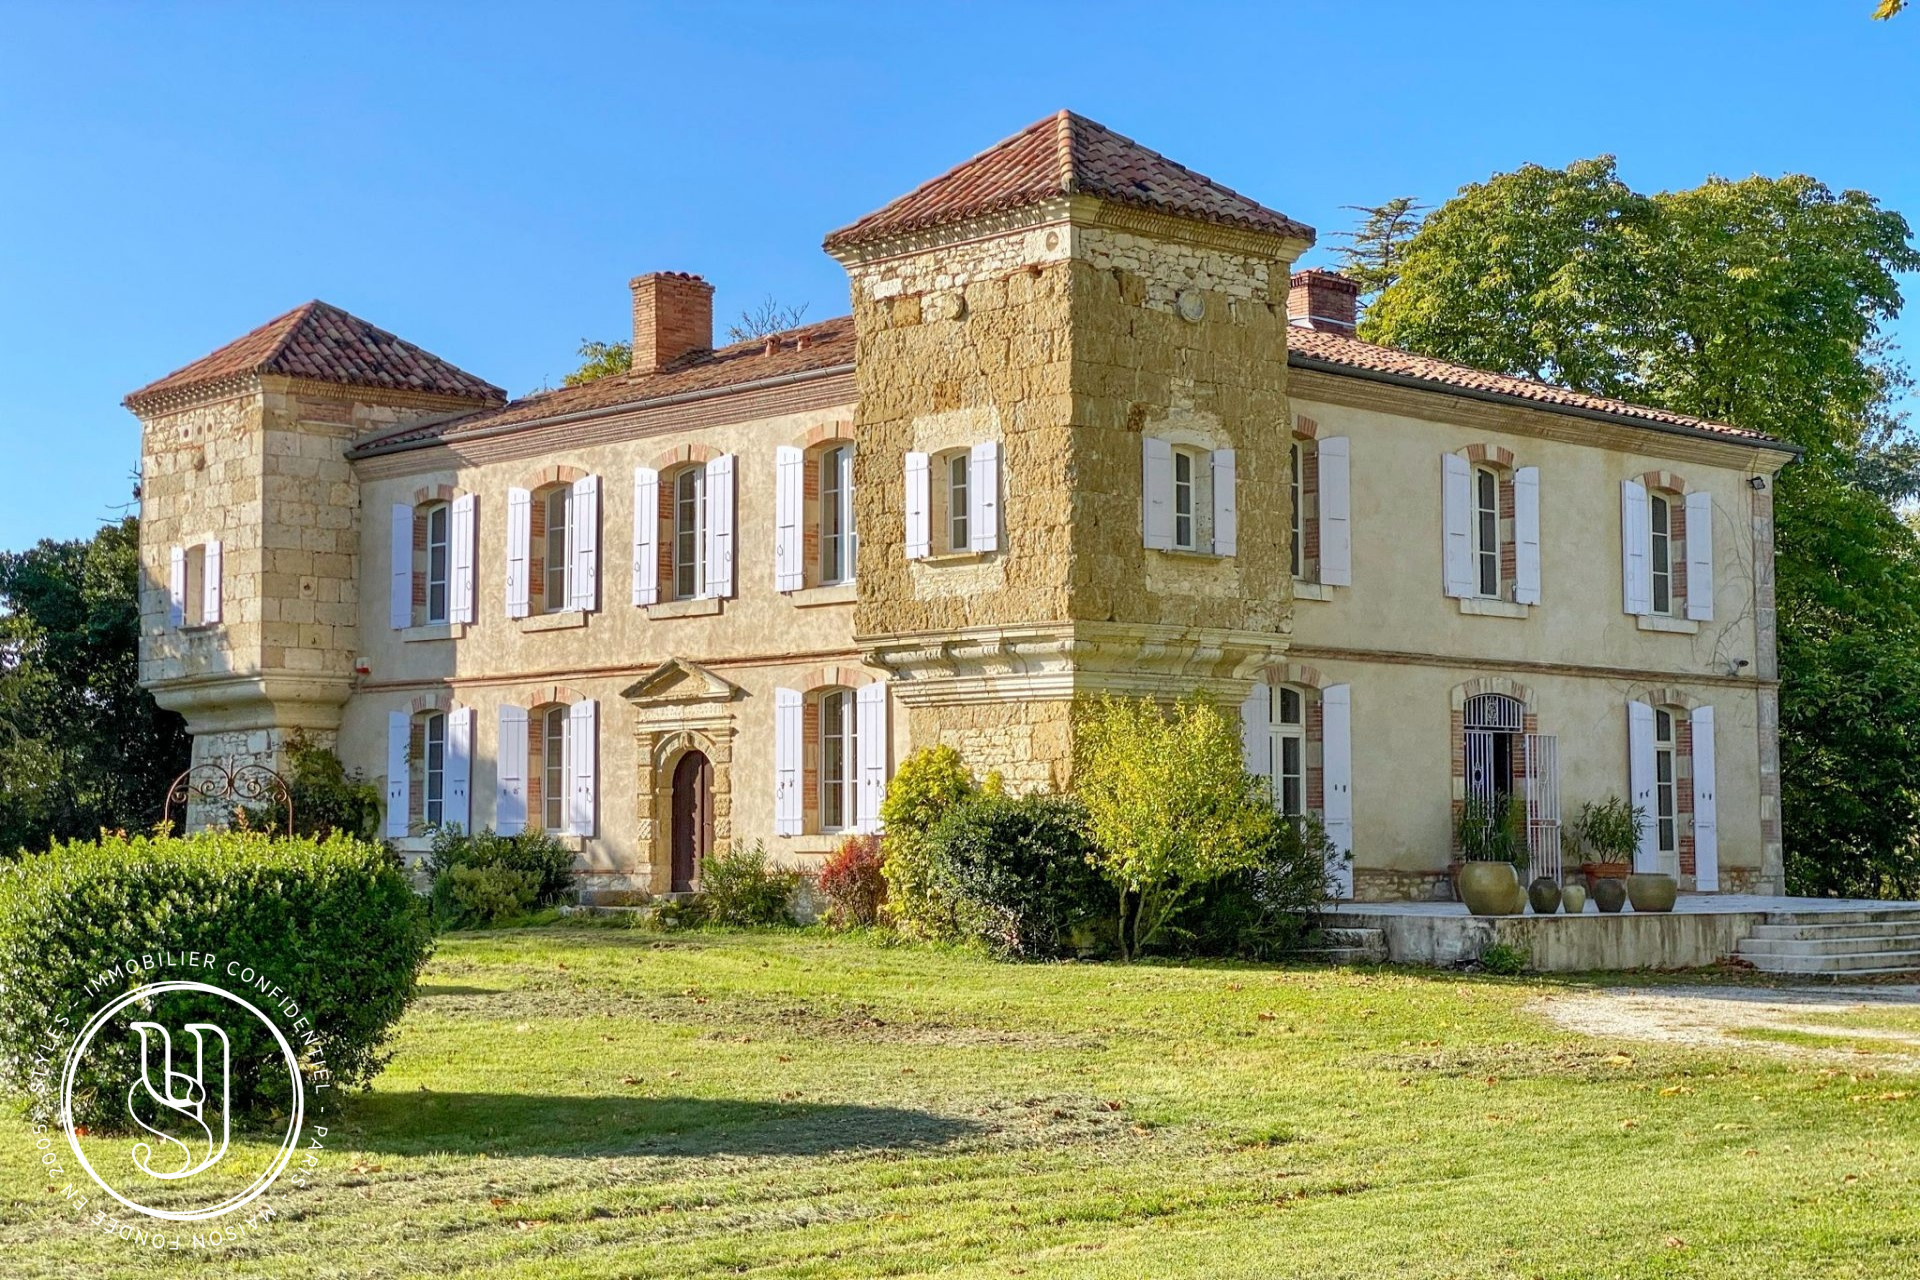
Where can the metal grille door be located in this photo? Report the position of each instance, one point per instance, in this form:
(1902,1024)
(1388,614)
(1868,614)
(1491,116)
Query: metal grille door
(1543,805)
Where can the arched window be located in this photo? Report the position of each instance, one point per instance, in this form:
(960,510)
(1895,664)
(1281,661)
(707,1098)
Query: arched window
(1493,723)
(839,756)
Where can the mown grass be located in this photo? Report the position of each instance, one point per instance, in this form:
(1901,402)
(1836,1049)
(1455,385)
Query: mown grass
(605,1103)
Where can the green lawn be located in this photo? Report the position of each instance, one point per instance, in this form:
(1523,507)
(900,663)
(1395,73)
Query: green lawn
(600,1102)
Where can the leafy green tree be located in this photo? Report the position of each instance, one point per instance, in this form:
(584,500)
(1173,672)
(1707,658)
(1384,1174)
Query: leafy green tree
(599,360)
(1372,252)
(1759,302)
(82,746)
(1169,804)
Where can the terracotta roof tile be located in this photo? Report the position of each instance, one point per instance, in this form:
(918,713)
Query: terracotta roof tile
(324,343)
(810,348)
(1066,154)
(1307,346)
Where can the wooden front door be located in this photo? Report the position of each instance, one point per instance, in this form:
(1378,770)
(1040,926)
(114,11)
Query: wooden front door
(692,818)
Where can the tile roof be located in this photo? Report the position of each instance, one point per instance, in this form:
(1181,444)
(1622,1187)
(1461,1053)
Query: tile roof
(1062,155)
(813,348)
(321,342)
(1310,347)
(829,346)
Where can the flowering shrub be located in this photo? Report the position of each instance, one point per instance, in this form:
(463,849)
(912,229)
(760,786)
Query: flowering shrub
(853,883)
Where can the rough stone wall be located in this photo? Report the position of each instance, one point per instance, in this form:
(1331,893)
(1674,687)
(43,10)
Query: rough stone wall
(1141,368)
(306,593)
(1028,744)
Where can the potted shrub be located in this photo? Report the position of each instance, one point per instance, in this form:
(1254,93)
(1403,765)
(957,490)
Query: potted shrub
(1608,834)
(1491,853)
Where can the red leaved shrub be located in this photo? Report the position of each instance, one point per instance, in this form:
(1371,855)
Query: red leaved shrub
(852,883)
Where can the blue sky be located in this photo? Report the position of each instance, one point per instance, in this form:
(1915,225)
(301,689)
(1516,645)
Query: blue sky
(483,179)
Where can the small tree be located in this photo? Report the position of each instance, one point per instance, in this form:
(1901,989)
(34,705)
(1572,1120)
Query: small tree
(771,316)
(927,786)
(1373,251)
(1169,802)
(599,360)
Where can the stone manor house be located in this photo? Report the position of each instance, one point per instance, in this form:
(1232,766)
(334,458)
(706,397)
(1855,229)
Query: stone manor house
(1085,429)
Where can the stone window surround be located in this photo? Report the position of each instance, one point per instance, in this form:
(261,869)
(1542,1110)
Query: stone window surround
(1202,444)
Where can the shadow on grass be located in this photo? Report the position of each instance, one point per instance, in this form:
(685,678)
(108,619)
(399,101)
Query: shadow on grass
(520,1124)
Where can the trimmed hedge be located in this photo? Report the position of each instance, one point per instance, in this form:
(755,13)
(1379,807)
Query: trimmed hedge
(335,923)
(1020,871)
(483,877)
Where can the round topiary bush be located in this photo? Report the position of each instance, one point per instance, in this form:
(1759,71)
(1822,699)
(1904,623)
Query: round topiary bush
(326,935)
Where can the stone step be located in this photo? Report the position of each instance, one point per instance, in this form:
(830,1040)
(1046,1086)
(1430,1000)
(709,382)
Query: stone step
(1758,946)
(1340,955)
(1819,932)
(1892,914)
(1862,962)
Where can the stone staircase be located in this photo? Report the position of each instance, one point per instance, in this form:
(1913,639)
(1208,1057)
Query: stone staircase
(1836,944)
(1346,946)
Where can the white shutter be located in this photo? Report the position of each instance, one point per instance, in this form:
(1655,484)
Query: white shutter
(1526,535)
(789,497)
(646,536)
(1456,492)
(983,497)
(1640,783)
(1226,504)
(786,761)
(457,809)
(583,542)
(1156,493)
(177,587)
(400,586)
(211,571)
(399,739)
(519,552)
(1706,819)
(1700,557)
(1336,525)
(870,706)
(463,556)
(1256,731)
(719,549)
(919,483)
(583,759)
(510,768)
(1336,774)
(1636,564)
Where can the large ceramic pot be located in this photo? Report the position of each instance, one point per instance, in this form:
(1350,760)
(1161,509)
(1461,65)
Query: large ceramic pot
(1609,895)
(1652,891)
(1491,888)
(1573,898)
(1544,894)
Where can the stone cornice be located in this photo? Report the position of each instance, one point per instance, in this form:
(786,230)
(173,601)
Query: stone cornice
(229,702)
(163,403)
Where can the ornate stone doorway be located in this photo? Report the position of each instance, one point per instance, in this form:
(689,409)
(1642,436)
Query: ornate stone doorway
(692,837)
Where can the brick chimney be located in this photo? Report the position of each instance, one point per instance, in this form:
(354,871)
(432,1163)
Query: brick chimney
(1323,300)
(672,317)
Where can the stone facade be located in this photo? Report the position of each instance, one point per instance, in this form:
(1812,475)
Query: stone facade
(1071,334)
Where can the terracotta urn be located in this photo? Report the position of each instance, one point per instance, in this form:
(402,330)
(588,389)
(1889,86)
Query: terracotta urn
(1573,898)
(1491,888)
(1609,895)
(1544,894)
(1652,891)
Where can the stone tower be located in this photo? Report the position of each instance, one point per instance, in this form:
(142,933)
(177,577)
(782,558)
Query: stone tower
(1069,294)
(249,521)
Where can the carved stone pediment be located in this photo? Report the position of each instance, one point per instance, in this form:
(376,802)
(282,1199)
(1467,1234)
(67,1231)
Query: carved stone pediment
(679,683)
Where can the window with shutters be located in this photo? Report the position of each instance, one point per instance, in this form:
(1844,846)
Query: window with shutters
(194,606)
(1192,499)
(428,756)
(837,760)
(550,548)
(547,763)
(1488,545)
(838,541)
(687,546)
(433,539)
